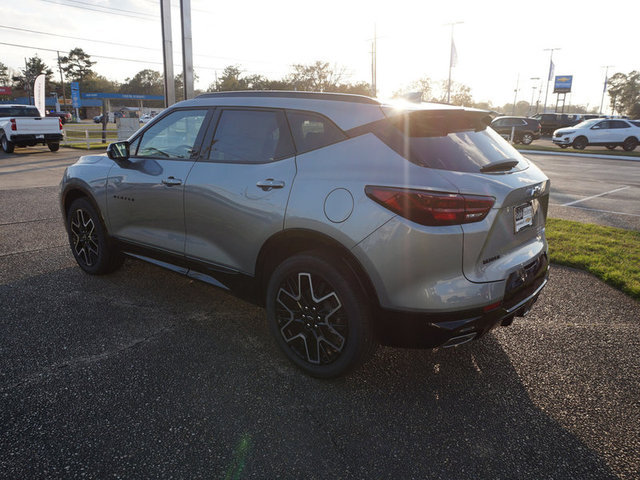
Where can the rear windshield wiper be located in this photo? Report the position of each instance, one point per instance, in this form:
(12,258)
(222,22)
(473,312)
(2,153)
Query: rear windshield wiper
(500,166)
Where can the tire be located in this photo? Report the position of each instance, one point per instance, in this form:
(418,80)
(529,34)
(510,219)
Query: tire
(7,146)
(526,139)
(54,147)
(580,143)
(611,147)
(319,316)
(630,144)
(91,246)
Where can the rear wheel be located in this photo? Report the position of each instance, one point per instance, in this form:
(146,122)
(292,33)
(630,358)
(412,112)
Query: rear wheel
(580,143)
(54,147)
(318,315)
(527,138)
(7,146)
(91,246)
(629,144)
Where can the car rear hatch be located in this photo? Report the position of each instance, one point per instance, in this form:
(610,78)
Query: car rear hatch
(478,162)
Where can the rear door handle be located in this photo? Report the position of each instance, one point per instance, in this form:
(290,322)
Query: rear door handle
(172,181)
(270,184)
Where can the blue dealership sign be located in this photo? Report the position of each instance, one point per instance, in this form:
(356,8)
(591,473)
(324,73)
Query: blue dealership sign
(75,94)
(563,84)
(122,96)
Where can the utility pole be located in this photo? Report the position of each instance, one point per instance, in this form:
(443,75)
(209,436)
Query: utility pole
(187,48)
(551,68)
(604,89)
(533,93)
(515,96)
(453,59)
(167,50)
(64,96)
(374,53)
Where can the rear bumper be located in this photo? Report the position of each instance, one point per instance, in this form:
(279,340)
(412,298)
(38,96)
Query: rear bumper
(25,139)
(421,330)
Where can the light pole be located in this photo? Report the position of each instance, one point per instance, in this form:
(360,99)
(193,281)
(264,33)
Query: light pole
(515,96)
(550,75)
(604,89)
(533,93)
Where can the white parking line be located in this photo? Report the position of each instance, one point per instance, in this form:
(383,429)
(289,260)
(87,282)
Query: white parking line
(594,196)
(595,210)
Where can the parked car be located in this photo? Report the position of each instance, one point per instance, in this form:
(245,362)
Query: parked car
(145,118)
(22,126)
(525,130)
(354,222)
(549,122)
(63,116)
(606,132)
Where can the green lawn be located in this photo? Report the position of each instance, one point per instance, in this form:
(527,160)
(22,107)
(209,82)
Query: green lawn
(611,254)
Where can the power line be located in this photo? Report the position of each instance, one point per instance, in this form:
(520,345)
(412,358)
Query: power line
(109,8)
(143,16)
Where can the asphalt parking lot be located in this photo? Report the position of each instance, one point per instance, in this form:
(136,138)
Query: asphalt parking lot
(147,374)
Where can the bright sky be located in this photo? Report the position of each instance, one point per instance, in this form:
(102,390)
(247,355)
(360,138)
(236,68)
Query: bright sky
(497,41)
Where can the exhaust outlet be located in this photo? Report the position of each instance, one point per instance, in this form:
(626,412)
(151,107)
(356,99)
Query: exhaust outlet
(455,341)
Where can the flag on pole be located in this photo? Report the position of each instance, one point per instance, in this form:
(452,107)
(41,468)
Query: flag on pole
(454,55)
(38,93)
(605,84)
(551,69)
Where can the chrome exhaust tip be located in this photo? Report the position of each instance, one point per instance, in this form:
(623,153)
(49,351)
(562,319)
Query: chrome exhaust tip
(455,341)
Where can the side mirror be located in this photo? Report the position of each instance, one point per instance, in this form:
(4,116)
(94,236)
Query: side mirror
(118,151)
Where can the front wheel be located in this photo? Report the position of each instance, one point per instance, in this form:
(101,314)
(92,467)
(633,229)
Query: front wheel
(90,244)
(580,143)
(319,315)
(629,144)
(7,146)
(54,147)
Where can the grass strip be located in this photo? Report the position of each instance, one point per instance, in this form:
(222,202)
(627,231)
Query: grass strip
(589,151)
(611,254)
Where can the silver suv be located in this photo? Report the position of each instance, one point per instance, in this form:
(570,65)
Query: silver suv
(353,221)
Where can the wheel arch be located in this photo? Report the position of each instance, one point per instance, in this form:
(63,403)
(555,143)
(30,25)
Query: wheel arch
(74,191)
(293,241)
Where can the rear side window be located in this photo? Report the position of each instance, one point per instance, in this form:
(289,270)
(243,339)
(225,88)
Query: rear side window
(251,136)
(636,123)
(19,112)
(618,124)
(311,131)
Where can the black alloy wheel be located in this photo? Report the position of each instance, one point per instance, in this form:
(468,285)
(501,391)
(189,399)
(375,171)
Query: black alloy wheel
(629,144)
(90,245)
(319,316)
(580,143)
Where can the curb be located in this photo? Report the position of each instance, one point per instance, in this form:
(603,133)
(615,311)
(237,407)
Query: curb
(588,155)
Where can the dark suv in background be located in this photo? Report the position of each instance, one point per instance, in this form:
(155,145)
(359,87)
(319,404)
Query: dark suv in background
(552,121)
(525,130)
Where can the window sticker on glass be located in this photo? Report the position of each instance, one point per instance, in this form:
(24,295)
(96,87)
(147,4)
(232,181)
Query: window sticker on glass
(523,216)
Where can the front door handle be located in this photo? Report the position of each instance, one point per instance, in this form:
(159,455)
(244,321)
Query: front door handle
(172,181)
(270,184)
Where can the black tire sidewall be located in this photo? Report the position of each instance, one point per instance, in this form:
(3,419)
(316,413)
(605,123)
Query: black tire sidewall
(54,147)
(7,146)
(346,286)
(105,251)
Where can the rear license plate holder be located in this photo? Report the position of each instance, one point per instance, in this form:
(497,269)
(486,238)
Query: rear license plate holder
(522,216)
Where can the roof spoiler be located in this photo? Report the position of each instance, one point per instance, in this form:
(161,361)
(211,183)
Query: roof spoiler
(438,122)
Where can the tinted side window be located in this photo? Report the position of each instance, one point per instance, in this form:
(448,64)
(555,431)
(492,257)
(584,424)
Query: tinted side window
(311,131)
(172,137)
(251,136)
(636,123)
(618,124)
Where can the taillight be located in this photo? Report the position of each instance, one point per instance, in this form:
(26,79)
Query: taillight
(60,123)
(14,127)
(431,208)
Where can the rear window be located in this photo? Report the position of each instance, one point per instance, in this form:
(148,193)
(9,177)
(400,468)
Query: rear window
(19,112)
(463,150)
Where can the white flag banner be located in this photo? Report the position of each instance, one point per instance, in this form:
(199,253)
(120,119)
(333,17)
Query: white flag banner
(454,54)
(552,67)
(38,93)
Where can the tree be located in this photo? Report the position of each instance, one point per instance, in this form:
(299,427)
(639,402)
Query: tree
(77,65)
(460,93)
(4,75)
(624,92)
(145,82)
(318,77)
(34,67)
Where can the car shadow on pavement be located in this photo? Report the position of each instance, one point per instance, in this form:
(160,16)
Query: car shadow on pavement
(149,374)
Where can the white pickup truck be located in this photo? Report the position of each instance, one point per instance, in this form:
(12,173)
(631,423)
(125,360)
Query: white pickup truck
(22,126)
